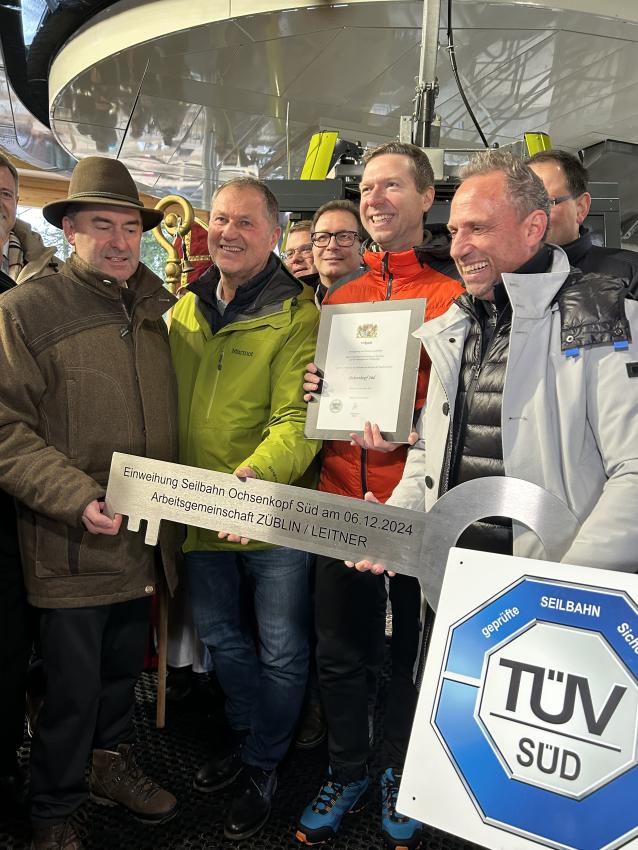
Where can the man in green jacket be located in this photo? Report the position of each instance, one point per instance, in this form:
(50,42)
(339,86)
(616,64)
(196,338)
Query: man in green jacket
(86,371)
(240,338)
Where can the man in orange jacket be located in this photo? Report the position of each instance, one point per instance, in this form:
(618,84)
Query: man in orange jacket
(397,189)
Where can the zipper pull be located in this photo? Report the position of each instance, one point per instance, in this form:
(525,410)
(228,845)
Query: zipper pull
(219,361)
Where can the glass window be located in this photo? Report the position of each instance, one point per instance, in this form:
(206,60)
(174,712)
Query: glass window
(32,12)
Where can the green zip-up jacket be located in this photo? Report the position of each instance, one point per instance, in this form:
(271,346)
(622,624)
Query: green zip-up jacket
(240,389)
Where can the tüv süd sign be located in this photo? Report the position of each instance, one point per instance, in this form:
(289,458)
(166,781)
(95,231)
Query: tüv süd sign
(536,707)
(550,700)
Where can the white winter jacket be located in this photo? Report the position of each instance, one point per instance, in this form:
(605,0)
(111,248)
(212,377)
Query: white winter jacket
(569,424)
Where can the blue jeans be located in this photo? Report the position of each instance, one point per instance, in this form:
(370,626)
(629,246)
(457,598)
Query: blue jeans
(263,676)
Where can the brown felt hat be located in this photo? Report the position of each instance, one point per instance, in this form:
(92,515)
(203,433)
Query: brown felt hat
(103,181)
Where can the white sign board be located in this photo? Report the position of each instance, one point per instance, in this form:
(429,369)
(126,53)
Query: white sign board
(526,730)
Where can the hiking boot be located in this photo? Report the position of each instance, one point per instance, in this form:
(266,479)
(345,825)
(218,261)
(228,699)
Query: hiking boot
(312,729)
(250,807)
(58,836)
(321,819)
(223,768)
(400,832)
(116,779)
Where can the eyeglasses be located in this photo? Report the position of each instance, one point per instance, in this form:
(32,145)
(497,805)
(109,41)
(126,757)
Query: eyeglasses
(559,199)
(302,250)
(6,195)
(343,238)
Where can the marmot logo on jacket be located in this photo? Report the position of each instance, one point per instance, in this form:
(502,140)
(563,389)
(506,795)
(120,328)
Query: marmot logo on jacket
(242,352)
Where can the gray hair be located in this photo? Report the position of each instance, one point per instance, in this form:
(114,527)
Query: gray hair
(272,206)
(524,188)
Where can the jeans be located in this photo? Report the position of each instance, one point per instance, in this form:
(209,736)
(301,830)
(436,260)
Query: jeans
(261,663)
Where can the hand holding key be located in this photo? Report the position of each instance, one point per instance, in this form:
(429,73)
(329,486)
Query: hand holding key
(242,472)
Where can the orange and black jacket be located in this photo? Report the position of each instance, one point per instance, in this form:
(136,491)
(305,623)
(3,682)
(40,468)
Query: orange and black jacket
(349,470)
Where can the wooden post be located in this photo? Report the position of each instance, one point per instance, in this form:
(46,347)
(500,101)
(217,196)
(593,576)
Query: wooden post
(162,649)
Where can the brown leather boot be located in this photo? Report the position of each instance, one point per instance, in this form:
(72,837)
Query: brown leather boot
(116,779)
(60,836)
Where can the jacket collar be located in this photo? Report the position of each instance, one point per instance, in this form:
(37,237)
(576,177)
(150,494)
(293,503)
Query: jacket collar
(273,283)
(31,241)
(396,263)
(530,298)
(144,286)
(540,263)
(580,246)
(36,256)
(263,295)
(435,247)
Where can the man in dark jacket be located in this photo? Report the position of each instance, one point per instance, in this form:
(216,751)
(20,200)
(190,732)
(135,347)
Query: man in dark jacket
(297,256)
(23,257)
(565,178)
(86,372)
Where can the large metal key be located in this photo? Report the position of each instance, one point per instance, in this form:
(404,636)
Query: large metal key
(414,543)
(336,526)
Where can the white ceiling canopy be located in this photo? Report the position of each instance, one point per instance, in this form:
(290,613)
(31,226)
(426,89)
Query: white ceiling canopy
(186,94)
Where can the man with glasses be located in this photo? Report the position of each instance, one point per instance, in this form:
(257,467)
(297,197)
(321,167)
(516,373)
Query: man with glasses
(565,179)
(336,239)
(397,189)
(336,243)
(298,254)
(23,257)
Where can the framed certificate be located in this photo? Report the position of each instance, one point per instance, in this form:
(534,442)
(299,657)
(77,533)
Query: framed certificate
(370,363)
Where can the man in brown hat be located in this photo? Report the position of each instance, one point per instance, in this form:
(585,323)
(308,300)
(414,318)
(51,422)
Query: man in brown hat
(86,372)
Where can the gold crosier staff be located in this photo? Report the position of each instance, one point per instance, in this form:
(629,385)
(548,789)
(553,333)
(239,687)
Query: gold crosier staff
(175,271)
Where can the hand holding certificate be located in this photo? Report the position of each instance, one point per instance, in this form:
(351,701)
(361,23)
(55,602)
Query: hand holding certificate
(370,363)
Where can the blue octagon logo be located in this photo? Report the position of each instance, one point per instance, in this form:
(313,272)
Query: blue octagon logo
(537,708)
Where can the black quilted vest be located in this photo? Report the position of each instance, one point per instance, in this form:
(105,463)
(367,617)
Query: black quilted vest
(477,445)
(592,313)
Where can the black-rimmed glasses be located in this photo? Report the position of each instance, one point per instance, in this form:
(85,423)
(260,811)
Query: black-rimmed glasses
(559,199)
(343,238)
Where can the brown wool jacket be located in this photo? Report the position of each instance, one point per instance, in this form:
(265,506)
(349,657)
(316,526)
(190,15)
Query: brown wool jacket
(86,371)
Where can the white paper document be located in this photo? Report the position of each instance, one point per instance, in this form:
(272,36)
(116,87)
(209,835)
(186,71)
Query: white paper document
(364,370)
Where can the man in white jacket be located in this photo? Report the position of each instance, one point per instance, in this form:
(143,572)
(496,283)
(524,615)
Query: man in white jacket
(534,376)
